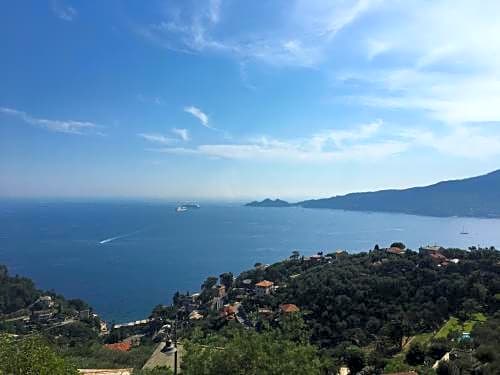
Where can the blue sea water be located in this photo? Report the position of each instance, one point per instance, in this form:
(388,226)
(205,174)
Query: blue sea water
(126,257)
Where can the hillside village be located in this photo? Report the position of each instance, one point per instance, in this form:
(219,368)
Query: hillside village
(254,296)
(295,291)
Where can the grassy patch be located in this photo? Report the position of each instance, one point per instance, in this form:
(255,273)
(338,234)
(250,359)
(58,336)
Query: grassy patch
(453,324)
(422,339)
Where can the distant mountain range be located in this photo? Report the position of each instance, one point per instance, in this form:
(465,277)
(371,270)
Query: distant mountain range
(473,197)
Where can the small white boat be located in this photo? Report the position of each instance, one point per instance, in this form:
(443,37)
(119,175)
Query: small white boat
(187,206)
(464,231)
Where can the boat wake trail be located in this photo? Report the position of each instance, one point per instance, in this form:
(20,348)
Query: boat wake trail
(111,239)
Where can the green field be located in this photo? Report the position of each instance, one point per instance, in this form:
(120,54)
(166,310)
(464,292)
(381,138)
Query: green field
(454,325)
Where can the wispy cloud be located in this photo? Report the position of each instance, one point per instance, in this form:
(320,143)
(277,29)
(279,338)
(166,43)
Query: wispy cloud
(182,133)
(157,138)
(199,114)
(301,36)
(150,99)
(471,142)
(444,60)
(61,126)
(63,11)
(356,144)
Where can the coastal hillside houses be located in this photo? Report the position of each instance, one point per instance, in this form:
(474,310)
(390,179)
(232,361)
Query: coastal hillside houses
(430,249)
(264,287)
(195,315)
(436,254)
(136,323)
(289,308)
(229,311)
(395,250)
(45,302)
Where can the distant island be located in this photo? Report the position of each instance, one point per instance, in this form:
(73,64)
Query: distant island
(269,203)
(471,197)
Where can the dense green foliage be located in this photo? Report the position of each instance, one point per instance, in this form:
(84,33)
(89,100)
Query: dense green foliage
(31,356)
(239,351)
(94,355)
(486,340)
(366,296)
(366,305)
(15,292)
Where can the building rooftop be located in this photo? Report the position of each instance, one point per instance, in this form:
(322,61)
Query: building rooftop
(289,308)
(120,346)
(396,250)
(265,284)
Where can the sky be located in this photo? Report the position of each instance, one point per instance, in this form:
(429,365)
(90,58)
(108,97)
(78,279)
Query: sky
(235,100)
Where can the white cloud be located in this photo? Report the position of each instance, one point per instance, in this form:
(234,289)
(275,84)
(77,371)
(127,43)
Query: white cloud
(157,138)
(459,141)
(300,37)
(61,126)
(199,114)
(444,60)
(182,133)
(447,97)
(150,99)
(63,11)
(357,144)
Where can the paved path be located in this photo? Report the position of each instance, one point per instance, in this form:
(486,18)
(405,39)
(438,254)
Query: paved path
(159,359)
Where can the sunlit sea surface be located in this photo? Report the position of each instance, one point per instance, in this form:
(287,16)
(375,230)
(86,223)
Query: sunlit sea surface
(126,257)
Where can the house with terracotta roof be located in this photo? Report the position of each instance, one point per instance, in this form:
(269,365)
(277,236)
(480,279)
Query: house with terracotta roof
(264,287)
(395,250)
(288,308)
(439,259)
(229,312)
(430,249)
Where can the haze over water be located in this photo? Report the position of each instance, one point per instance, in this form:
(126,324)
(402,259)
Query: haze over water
(126,257)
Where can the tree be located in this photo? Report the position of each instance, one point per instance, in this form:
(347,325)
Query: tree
(295,255)
(438,348)
(248,352)
(293,328)
(31,356)
(443,368)
(354,358)
(226,279)
(209,282)
(399,245)
(415,355)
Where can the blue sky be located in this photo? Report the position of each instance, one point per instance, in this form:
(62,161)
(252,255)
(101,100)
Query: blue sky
(227,99)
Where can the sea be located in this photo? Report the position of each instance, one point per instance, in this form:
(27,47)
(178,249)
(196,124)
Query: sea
(125,257)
